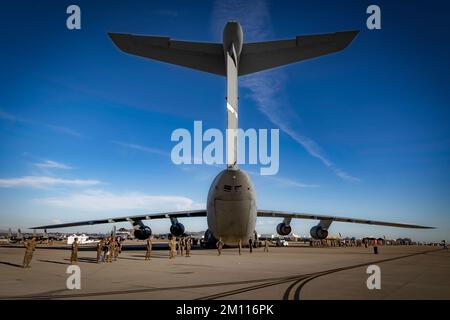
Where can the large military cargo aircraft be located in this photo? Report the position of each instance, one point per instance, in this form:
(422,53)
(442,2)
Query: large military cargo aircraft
(231,210)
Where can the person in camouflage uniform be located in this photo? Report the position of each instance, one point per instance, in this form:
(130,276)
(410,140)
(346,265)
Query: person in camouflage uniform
(266,245)
(183,246)
(110,253)
(74,254)
(188,246)
(219,246)
(30,246)
(178,246)
(149,249)
(172,247)
(114,250)
(100,250)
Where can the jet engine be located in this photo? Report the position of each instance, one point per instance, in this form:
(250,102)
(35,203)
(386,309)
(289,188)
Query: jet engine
(283,229)
(318,233)
(177,229)
(143,233)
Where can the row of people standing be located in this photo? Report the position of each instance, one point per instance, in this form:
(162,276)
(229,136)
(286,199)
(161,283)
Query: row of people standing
(108,249)
(220,244)
(182,247)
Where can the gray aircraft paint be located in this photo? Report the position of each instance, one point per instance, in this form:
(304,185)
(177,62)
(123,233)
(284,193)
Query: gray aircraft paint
(232,45)
(231,207)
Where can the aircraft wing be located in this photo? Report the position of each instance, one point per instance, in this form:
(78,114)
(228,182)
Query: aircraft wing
(260,56)
(202,213)
(176,214)
(201,56)
(284,214)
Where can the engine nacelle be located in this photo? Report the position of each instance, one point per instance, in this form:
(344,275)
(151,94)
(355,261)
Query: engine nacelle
(177,229)
(318,233)
(143,233)
(283,229)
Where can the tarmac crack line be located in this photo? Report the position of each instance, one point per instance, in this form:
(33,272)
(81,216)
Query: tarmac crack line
(242,290)
(288,294)
(45,295)
(296,295)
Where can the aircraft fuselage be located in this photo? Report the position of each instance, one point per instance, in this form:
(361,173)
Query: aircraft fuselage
(231,207)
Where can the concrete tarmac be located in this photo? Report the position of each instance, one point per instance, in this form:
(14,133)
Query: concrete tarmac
(292,273)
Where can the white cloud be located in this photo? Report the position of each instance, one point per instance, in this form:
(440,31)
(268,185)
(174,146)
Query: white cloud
(284,182)
(267,222)
(65,130)
(253,15)
(49,164)
(43,181)
(100,200)
(7,116)
(141,148)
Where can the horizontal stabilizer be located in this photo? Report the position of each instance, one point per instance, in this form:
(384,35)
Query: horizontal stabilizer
(261,56)
(201,56)
(209,57)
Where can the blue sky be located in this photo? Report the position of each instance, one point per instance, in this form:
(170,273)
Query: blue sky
(85,129)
